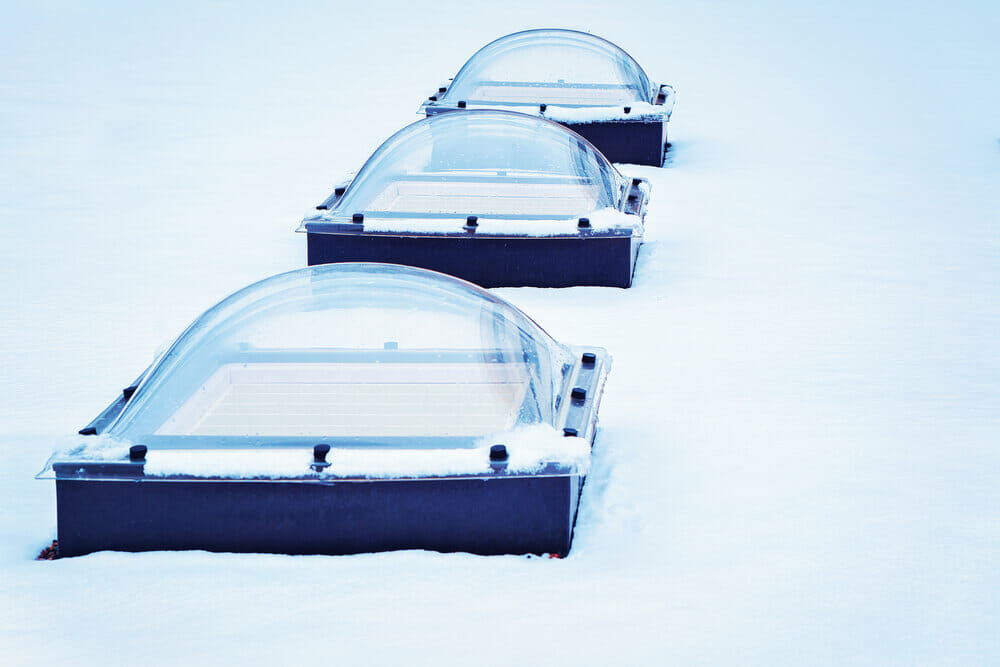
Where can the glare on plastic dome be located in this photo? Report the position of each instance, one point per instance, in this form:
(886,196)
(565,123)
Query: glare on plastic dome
(352,352)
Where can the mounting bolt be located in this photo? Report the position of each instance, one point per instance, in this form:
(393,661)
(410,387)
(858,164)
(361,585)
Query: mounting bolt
(137,453)
(319,457)
(358,218)
(499,458)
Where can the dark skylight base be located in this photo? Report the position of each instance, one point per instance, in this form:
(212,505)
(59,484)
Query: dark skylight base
(482,515)
(626,141)
(491,262)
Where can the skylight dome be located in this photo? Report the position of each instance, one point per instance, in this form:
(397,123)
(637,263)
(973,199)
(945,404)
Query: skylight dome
(363,353)
(494,165)
(563,67)
(501,199)
(338,409)
(574,78)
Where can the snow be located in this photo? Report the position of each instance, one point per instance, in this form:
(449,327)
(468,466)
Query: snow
(587,114)
(602,113)
(529,447)
(601,220)
(796,461)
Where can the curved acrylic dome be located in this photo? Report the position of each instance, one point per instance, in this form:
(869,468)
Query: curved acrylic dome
(559,67)
(368,353)
(491,164)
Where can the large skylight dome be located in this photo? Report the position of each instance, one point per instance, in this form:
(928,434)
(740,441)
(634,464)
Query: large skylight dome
(489,164)
(367,353)
(557,67)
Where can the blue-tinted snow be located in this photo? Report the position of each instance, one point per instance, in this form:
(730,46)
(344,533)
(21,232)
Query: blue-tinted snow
(798,458)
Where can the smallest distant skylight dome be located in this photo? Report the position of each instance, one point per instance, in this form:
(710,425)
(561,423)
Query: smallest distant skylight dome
(559,67)
(573,78)
(494,165)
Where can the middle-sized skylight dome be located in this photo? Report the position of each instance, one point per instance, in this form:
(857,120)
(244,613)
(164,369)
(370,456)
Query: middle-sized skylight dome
(478,175)
(495,165)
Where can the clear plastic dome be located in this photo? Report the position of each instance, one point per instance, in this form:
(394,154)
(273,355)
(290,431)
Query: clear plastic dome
(367,353)
(559,67)
(490,164)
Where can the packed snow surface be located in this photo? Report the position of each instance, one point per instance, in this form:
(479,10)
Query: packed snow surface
(797,460)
